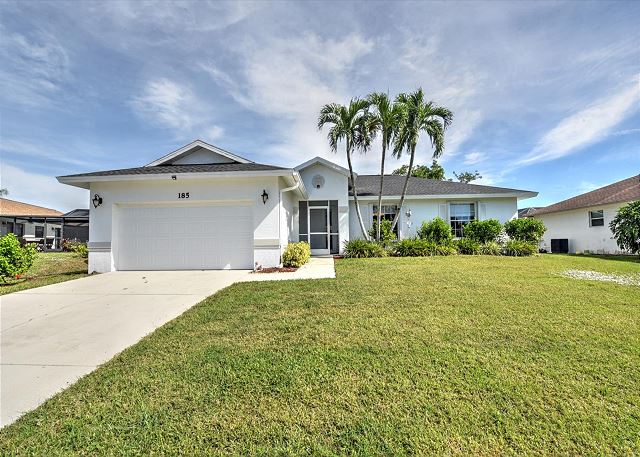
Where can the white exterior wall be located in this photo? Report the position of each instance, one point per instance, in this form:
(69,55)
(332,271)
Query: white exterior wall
(335,188)
(574,226)
(502,209)
(103,220)
(288,221)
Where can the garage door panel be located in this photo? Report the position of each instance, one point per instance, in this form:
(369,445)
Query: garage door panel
(185,237)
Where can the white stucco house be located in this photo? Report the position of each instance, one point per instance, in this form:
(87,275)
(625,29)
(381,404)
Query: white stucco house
(581,224)
(201,207)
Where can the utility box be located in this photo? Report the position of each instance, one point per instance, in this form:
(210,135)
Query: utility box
(560,246)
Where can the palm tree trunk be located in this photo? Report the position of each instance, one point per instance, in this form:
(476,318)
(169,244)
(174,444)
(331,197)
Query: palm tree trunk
(384,151)
(404,188)
(355,195)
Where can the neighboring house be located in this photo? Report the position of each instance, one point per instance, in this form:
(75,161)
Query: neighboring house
(76,225)
(29,221)
(527,212)
(201,207)
(581,224)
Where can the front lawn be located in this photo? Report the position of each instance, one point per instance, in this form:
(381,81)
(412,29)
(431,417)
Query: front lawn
(48,268)
(446,355)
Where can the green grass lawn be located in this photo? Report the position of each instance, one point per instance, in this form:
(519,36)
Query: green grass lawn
(447,355)
(48,268)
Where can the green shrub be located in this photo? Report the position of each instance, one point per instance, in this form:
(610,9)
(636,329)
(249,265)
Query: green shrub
(361,249)
(437,231)
(519,248)
(525,229)
(14,259)
(386,232)
(296,254)
(68,245)
(445,249)
(414,247)
(490,248)
(626,227)
(81,249)
(483,231)
(467,246)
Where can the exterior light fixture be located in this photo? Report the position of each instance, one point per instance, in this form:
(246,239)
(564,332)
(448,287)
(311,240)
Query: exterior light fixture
(97,200)
(408,213)
(174,177)
(265,196)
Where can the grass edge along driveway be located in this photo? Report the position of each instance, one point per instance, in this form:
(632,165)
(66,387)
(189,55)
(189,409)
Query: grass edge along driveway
(459,355)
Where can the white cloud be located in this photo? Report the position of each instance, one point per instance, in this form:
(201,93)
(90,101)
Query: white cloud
(19,148)
(41,190)
(585,127)
(174,106)
(474,157)
(32,70)
(289,81)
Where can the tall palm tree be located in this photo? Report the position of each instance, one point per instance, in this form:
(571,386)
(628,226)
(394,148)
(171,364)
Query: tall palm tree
(419,116)
(353,125)
(385,119)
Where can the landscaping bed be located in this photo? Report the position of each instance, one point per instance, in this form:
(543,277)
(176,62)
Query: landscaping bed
(452,355)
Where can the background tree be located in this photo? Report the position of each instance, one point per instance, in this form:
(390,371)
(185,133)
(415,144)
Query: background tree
(423,171)
(384,118)
(467,176)
(352,125)
(419,116)
(626,227)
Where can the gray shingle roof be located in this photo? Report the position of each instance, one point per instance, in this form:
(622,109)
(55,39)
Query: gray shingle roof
(368,185)
(176,169)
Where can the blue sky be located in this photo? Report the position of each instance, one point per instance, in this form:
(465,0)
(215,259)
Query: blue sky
(546,96)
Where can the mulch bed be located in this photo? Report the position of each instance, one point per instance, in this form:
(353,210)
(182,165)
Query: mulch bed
(277,270)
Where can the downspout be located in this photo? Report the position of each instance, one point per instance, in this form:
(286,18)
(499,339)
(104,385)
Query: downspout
(282,191)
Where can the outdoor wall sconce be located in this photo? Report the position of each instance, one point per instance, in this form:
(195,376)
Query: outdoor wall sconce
(97,200)
(408,213)
(265,196)
(174,177)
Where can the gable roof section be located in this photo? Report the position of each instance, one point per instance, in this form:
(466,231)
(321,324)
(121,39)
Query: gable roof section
(15,208)
(197,144)
(619,192)
(369,185)
(326,163)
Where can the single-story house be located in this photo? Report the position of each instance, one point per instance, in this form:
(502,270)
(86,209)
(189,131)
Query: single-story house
(581,224)
(29,222)
(201,207)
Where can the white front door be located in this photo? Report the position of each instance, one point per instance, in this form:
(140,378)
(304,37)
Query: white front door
(319,230)
(184,237)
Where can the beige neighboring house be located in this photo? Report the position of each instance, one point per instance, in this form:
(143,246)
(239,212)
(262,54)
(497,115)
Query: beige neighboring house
(581,224)
(29,221)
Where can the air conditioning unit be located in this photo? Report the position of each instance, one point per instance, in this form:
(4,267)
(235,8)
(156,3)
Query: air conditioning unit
(560,246)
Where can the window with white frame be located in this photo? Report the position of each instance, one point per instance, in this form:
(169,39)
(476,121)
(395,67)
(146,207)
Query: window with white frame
(596,218)
(460,214)
(388,213)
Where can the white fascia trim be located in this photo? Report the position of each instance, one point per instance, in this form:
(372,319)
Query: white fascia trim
(202,144)
(519,195)
(326,163)
(84,181)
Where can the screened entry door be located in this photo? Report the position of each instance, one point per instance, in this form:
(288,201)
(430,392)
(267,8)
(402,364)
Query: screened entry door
(319,230)
(319,226)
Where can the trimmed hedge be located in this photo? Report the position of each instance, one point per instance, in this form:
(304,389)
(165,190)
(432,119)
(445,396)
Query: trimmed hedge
(14,259)
(483,231)
(437,231)
(416,247)
(525,229)
(490,248)
(296,254)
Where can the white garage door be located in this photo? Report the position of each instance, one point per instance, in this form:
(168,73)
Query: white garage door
(184,237)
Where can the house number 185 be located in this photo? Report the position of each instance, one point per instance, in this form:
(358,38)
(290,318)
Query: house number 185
(183,194)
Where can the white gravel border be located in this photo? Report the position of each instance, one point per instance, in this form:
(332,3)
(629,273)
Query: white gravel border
(624,280)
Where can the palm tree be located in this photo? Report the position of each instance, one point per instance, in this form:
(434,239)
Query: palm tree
(419,116)
(385,120)
(353,125)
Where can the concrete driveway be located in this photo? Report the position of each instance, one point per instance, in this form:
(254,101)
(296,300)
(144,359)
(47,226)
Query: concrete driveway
(53,335)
